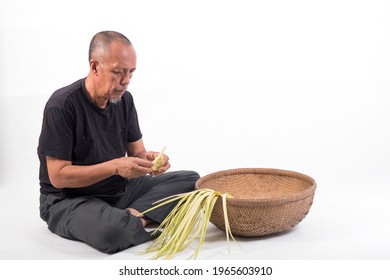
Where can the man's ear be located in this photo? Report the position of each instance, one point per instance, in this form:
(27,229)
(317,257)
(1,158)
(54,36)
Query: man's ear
(93,65)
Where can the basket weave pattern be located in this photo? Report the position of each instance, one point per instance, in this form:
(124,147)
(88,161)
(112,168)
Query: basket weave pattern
(265,201)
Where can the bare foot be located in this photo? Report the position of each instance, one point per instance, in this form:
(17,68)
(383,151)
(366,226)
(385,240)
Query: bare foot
(138,214)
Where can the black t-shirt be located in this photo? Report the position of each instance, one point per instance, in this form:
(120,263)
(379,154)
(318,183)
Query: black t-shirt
(76,130)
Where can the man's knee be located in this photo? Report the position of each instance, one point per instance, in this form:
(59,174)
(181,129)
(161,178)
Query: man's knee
(192,175)
(112,239)
(189,179)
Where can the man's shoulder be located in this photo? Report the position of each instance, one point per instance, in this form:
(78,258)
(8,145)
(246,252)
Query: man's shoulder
(65,94)
(127,96)
(127,99)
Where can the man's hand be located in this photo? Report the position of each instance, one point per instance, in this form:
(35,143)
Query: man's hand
(165,163)
(132,167)
(137,149)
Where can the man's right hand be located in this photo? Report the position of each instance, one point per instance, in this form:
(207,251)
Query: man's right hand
(132,167)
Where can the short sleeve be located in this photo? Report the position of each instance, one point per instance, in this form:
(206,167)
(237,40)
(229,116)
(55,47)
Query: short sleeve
(133,128)
(56,139)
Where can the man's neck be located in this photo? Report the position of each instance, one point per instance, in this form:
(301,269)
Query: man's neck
(93,95)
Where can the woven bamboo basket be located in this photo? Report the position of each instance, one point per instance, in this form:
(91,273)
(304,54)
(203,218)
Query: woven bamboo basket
(265,201)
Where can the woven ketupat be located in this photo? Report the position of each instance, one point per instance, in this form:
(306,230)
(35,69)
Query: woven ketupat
(265,201)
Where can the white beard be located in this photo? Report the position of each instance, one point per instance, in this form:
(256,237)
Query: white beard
(114,100)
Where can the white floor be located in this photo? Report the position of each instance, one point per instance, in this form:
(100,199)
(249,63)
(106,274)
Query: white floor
(348,220)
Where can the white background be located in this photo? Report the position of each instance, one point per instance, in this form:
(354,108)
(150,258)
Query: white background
(297,85)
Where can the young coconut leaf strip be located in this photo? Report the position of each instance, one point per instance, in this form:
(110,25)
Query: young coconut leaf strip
(190,215)
(158,161)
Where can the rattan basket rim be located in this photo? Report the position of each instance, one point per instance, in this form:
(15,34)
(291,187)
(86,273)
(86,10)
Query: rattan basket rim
(263,201)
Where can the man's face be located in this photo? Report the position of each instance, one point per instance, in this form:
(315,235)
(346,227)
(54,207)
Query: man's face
(115,71)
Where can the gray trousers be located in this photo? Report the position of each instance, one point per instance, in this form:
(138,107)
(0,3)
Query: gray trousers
(103,222)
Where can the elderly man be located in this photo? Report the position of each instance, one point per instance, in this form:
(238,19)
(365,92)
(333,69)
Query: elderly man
(95,173)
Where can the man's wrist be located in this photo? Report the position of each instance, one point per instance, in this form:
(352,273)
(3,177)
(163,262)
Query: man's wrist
(115,169)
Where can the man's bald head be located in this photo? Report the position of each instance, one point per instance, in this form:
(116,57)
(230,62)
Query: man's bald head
(100,43)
